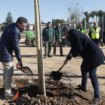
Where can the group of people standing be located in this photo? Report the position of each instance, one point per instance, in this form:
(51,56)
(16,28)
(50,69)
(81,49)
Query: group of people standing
(94,32)
(52,36)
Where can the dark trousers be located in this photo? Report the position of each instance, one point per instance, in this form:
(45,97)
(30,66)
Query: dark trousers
(47,48)
(94,80)
(58,43)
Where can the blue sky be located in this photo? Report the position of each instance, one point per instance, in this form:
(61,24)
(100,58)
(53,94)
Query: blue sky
(49,9)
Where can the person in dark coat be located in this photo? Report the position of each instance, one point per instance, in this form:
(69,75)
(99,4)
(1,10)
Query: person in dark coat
(92,57)
(9,42)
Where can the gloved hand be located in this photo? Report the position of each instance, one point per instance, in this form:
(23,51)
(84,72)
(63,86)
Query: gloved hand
(19,65)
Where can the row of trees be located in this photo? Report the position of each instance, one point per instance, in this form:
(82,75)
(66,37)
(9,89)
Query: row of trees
(97,16)
(75,14)
(9,20)
(94,15)
(54,21)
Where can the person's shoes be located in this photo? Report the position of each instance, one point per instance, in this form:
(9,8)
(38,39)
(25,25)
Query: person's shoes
(96,101)
(49,55)
(9,97)
(81,88)
(61,55)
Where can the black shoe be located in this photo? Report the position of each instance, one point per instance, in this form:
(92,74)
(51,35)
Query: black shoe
(96,101)
(81,88)
(61,55)
(49,55)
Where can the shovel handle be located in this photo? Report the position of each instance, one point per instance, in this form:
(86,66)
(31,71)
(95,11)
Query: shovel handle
(61,67)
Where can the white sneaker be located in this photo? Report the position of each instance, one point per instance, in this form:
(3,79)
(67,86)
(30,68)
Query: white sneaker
(9,97)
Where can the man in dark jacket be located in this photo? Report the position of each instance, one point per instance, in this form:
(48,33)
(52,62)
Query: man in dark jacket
(92,57)
(9,42)
(48,38)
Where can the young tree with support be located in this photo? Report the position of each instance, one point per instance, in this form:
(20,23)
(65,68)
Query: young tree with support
(41,77)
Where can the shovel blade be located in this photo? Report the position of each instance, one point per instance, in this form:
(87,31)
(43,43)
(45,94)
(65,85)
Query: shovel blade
(56,75)
(26,70)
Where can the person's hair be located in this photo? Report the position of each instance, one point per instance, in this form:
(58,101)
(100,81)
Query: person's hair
(48,23)
(22,20)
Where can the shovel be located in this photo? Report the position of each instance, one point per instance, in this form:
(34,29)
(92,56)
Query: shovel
(56,75)
(25,69)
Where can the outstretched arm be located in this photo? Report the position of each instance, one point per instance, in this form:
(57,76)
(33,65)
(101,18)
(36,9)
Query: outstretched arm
(69,57)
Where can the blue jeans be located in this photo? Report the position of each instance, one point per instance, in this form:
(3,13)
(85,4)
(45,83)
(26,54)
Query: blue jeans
(94,80)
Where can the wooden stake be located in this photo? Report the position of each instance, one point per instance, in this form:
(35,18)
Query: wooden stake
(41,76)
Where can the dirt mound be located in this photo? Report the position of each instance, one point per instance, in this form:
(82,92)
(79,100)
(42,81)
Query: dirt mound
(58,93)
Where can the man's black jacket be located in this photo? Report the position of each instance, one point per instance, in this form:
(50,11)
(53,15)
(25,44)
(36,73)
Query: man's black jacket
(82,46)
(9,42)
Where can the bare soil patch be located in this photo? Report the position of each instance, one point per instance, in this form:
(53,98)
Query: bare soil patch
(57,93)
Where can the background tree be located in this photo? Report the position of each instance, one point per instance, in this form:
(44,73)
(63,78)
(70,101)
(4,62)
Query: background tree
(100,14)
(92,15)
(54,21)
(95,16)
(101,24)
(87,16)
(75,14)
(83,22)
(60,21)
(9,19)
